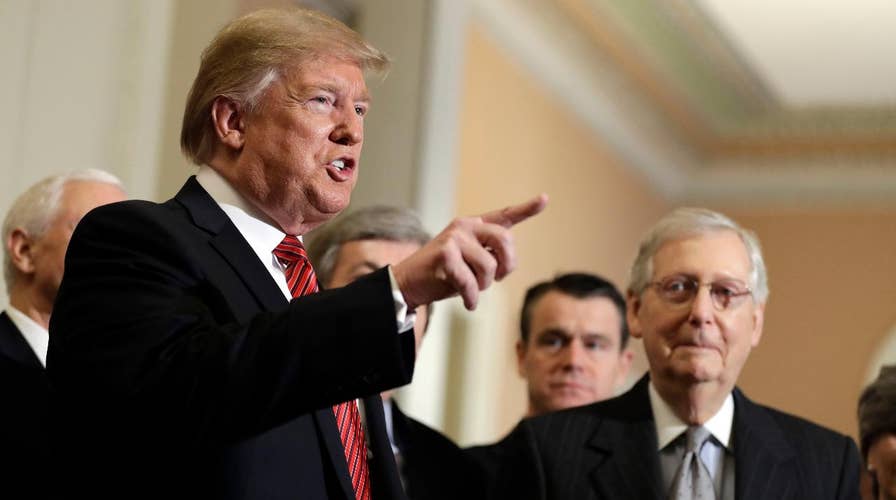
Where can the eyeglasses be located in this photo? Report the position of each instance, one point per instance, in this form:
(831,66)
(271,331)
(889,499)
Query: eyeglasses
(681,290)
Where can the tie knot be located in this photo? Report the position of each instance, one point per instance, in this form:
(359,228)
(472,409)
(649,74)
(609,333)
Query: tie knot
(696,436)
(290,251)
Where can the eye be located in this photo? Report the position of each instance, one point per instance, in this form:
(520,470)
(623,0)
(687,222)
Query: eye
(320,102)
(596,344)
(676,286)
(360,110)
(551,343)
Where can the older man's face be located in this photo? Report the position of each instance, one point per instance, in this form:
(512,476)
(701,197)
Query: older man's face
(694,342)
(47,251)
(299,159)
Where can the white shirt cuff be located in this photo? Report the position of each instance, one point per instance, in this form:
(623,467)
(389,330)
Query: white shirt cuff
(404,318)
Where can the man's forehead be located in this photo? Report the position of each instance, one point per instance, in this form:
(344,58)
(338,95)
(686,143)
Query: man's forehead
(328,72)
(720,251)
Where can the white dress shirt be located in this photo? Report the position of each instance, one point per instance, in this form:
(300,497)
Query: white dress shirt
(37,336)
(263,236)
(669,427)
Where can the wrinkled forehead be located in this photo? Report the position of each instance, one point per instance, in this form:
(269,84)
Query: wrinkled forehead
(705,255)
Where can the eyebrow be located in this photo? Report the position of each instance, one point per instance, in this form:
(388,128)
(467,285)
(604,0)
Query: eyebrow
(333,89)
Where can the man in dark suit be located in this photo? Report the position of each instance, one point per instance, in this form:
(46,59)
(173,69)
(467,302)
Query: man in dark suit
(572,350)
(36,232)
(697,298)
(183,368)
(355,245)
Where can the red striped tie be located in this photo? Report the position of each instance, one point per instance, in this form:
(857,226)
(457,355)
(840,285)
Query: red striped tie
(302,281)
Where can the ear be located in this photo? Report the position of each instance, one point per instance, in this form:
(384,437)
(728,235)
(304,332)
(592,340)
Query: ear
(19,245)
(520,358)
(758,322)
(229,121)
(632,308)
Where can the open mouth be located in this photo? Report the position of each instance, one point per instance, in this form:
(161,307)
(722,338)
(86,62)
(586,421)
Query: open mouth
(341,169)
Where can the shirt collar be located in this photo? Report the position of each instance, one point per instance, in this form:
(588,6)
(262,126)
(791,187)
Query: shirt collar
(669,426)
(37,336)
(261,235)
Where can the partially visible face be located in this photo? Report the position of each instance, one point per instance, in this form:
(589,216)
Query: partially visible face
(299,159)
(47,251)
(357,258)
(694,343)
(882,461)
(573,355)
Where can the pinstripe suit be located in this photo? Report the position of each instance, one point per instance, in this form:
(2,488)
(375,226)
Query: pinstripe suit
(608,450)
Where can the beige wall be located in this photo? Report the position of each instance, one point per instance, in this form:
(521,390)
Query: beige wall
(517,142)
(832,278)
(833,292)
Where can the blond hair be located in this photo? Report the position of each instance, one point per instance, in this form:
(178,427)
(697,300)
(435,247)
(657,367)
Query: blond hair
(255,50)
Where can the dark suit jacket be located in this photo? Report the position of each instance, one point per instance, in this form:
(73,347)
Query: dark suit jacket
(432,466)
(25,392)
(608,450)
(182,371)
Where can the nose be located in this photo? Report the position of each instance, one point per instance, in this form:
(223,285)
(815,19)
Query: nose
(574,355)
(702,309)
(349,129)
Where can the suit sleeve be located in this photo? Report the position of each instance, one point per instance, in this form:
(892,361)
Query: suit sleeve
(519,473)
(143,330)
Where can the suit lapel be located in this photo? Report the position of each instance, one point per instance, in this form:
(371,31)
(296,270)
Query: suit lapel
(384,478)
(14,346)
(764,465)
(230,244)
(629,464)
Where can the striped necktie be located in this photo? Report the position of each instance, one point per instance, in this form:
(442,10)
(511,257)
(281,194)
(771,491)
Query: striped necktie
(302,281)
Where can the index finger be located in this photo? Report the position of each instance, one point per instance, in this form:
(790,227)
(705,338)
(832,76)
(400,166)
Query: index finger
(514,214)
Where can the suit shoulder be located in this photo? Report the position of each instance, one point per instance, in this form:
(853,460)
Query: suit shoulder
(801,429)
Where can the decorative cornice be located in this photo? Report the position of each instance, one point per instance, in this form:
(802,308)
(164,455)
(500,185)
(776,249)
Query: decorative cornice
(783,157)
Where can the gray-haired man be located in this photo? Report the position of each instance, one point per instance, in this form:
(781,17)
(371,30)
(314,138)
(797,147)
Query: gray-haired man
(697,299)
(36,232)
(357,244)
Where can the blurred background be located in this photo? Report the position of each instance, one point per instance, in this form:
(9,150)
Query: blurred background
(780,113)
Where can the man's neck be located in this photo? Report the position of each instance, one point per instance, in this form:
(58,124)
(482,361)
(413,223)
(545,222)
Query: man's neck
(694,403)
(28,304)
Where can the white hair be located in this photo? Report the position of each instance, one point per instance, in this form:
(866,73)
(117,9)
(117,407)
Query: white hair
(687,222)
(34,209)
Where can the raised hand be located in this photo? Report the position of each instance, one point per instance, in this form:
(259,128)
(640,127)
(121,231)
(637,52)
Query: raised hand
(465,258)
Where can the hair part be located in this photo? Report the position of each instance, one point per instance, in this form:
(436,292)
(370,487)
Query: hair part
(255,50)
(689,222)
(33,210)
(877,409)
(577,285)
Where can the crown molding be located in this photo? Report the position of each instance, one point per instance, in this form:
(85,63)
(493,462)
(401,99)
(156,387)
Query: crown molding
(536,34)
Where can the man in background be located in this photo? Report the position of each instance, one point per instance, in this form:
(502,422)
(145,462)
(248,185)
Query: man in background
(877,435)
(572,351)
(697,297)
(36,233)
(354,245)
(573,342)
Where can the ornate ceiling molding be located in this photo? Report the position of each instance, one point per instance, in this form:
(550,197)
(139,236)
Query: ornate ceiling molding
(725,137)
